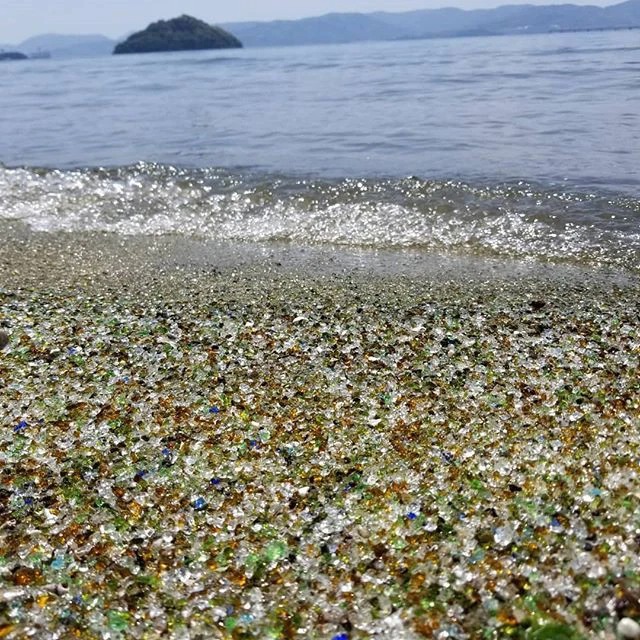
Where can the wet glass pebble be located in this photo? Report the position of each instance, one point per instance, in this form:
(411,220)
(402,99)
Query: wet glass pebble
(341,458)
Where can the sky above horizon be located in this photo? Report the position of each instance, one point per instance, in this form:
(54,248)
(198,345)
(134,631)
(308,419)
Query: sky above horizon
(22,19)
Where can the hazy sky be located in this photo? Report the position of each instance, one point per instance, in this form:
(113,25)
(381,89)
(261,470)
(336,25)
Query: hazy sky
(24,18)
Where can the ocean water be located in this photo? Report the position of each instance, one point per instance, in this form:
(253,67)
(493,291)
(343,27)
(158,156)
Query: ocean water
(525,147)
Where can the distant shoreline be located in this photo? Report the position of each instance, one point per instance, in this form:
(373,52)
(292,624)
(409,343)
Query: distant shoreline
(523,33)
(447,36)
(345,28)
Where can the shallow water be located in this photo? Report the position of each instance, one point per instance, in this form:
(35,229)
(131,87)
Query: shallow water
(505,220)
(523,147)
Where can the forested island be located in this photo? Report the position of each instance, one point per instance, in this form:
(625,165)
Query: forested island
(180,34)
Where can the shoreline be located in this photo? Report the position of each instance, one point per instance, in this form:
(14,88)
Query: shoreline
(281,442)
(64,257)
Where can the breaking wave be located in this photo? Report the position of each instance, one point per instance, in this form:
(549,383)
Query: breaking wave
(518,220)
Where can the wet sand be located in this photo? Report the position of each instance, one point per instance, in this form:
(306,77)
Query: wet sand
(204,440)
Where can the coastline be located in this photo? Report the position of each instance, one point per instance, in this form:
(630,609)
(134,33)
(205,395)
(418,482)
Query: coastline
(252,441)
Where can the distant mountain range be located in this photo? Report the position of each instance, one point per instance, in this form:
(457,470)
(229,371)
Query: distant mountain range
(335,28)
(436,23)
(61,46)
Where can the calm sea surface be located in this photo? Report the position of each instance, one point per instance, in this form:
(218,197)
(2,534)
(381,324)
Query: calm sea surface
(521,146)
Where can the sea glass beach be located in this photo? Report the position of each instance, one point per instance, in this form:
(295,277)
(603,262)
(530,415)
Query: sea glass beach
(336,374)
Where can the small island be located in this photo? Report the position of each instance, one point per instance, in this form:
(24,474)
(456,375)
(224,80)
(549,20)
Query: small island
(12,55)
(180,34)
